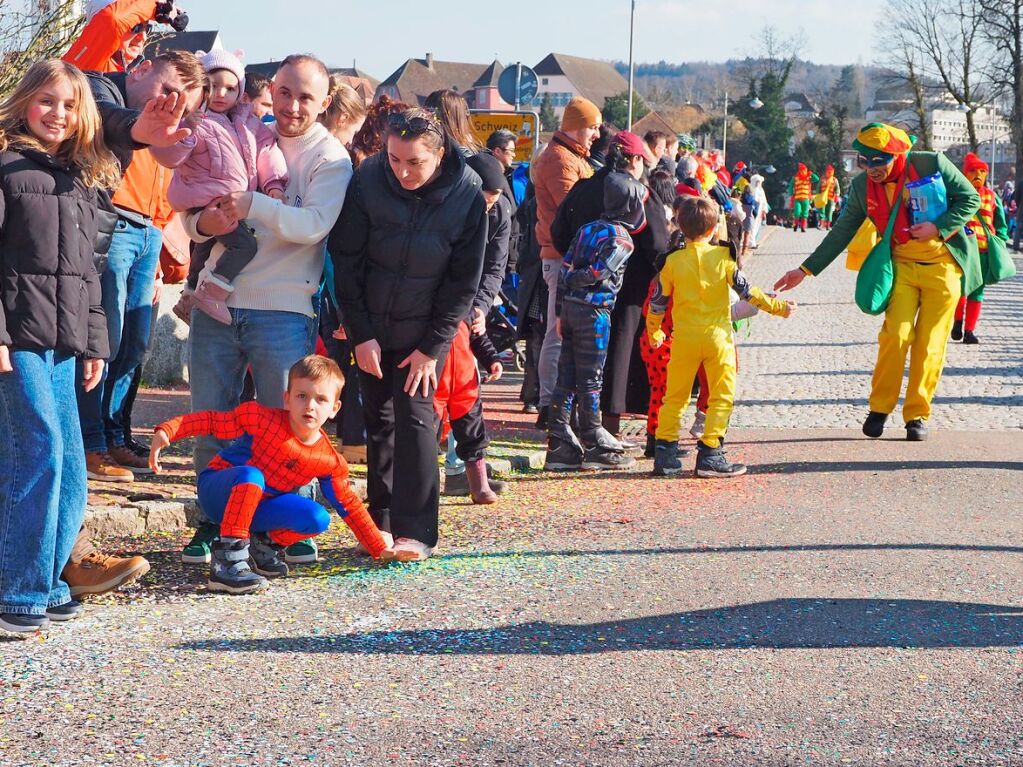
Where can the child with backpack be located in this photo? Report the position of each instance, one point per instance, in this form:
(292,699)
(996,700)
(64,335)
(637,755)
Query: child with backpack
(54,166)
(591,276)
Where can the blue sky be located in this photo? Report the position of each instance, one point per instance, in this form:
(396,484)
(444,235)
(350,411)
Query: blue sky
(380,34)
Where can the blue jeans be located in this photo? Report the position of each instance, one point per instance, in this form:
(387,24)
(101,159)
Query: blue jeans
(271,342)
(127,283)
(42,480)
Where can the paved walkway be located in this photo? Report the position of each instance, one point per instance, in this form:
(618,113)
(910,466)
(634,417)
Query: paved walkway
(848,602)
(813,370)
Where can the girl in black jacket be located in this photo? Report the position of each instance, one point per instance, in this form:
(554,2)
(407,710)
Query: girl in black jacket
(408,255)
(53,162)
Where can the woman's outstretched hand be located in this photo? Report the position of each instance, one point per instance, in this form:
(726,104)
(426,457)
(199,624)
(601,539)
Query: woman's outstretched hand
(790,279)
(367,357)
(422,373)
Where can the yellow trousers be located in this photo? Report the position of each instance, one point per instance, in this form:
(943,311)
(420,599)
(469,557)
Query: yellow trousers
(713,348)
(917,322)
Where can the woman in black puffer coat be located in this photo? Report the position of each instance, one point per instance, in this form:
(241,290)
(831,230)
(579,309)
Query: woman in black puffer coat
(408,254)
(52,165)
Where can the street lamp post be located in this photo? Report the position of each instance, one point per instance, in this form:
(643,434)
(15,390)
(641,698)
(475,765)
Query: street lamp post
(632,33)
(724,133)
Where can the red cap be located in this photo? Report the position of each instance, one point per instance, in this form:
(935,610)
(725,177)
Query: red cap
(630,143)
(684,190)
(972,163)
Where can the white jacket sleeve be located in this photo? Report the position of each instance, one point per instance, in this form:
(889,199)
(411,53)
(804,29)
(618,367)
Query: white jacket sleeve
(311,220)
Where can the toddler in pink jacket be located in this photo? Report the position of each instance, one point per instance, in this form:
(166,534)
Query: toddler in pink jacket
(230,150)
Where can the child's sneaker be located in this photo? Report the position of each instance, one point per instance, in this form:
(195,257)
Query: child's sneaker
(711,462)
(600,457)
(210,298)
(562,456)
(229,568)
(302,552)
(699,422)
(197,550)
(266,556)
(667,458)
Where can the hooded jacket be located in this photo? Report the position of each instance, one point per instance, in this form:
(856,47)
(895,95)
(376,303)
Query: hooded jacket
(407,264)
(226,153)
(49,290)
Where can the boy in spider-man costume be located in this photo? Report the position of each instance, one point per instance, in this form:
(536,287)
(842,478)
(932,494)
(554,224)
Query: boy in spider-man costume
(250,486)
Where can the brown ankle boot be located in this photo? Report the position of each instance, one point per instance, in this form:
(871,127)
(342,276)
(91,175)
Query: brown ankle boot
(479,486)
(98,573)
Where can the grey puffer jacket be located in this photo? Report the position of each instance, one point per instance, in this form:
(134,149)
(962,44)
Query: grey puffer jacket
(49,289)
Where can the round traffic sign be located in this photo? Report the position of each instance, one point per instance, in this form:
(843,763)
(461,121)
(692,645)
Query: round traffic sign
(527,84)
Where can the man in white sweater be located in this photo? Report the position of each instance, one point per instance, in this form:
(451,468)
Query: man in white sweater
(273,320)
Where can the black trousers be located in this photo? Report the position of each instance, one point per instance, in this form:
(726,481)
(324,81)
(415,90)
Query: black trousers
(403,480)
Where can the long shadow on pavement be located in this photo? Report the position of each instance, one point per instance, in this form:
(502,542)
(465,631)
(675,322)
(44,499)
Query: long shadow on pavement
(777,624)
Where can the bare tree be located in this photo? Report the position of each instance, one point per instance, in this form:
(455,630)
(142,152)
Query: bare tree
(1003,29)
(30,31)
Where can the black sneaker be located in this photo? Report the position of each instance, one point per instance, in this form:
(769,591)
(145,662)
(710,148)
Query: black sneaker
(229,568)
(530,408)
(957,330)
(541,418)
(651,446)
(916,430)
(137,447)
(65,612)
(873,426)
(562,456)
(667,458)
(711,462)
(969,338)
(267,557)
(23,624)
(601,458)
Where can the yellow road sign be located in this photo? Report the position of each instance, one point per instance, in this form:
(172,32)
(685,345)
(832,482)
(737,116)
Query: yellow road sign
(525,125)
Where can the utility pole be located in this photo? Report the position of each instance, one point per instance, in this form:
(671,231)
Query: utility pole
(632,32)
(724,133)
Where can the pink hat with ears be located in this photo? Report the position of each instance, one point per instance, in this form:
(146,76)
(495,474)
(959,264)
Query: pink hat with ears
(221,59)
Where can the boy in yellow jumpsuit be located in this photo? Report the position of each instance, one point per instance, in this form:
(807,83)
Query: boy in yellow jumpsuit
(697,278)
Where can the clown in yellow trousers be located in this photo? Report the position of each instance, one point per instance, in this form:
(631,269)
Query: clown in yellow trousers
(934,262)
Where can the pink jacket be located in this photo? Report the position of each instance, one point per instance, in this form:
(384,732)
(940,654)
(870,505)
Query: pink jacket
(225,153)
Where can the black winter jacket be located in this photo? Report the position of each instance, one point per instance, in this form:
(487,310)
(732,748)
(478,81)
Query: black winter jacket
(49,289)
(407,264)
(495,258)
(110,92)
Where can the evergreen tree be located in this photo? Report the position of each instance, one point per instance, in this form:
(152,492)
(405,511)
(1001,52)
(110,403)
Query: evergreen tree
(616,109)
(548,119)
(768,138)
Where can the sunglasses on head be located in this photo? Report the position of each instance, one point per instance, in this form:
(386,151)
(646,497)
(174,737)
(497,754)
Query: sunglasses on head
(142,29)
(400,125)
(871,162)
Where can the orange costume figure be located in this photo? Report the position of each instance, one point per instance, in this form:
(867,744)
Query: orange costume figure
(992,214)
(801,190)
(114,35)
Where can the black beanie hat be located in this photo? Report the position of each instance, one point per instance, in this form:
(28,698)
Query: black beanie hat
(490,170)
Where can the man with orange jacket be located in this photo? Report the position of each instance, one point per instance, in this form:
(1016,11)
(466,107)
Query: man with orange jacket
(115,33)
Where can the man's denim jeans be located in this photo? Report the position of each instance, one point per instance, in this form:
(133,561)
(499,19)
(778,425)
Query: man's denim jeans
(127,282)
(271,342)
(42,480)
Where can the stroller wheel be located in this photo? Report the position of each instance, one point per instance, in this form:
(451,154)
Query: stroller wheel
(519,360)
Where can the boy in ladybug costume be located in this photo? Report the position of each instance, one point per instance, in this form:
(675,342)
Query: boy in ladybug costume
(968,308)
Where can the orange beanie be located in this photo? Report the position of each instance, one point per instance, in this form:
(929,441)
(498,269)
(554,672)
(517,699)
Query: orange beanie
(580,113)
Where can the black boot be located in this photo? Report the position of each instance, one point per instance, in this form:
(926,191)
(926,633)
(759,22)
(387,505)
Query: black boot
(957,330)
(229,568)
(873,426)
(969,338)
(563,455)
(711,462)
(916,430)
(667,458)
(541,418)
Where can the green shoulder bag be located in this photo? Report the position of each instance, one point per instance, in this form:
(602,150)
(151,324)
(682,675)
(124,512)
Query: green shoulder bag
(996,264)
(876,277)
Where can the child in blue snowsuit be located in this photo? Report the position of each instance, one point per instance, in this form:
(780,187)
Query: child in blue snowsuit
(591,276)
